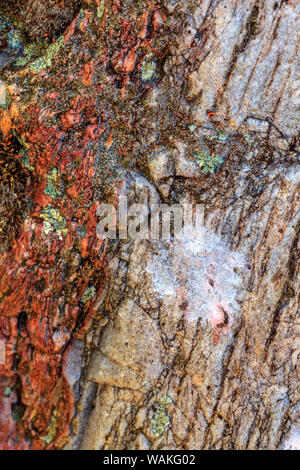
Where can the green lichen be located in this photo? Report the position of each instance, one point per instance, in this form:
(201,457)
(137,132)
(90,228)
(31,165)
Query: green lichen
(23,151)
(208,162)
(52,429)
(248,138)
(53,188)
(30,50)
(54,222)
(100,9)
(46,59)
(15,40)
(81,232)
(88,294)
(25,160)
(219,137)
(148,69)
(7,391)
(161,419)
(5,97)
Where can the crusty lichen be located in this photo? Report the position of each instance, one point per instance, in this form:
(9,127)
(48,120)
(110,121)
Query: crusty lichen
(88,294)
(148,69)
(54,221)
(46,59)
(53,188)
(208,162)
(51,429)
(161,419)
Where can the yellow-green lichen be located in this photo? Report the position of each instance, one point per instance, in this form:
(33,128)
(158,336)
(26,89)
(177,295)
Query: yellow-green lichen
(53,188)
(7,391)
(208,162)
(30,50)
(88,294)
(161,420)
(5,96)
(100,9)
(54,222)
(46,60)
(52,429)
(148,69)
(219,137)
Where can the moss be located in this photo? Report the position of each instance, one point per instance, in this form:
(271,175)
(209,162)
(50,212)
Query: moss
(14,198)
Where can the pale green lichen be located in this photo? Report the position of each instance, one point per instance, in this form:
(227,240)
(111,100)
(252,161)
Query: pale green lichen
(52,429)
(15,39)
(148,69)
(30,50)
(81,232)
(53,188)
(54,222)
(88,294)
(161,419)
(46,59)
(23,151)
(5,96)
(7,391)
(219,137)
(25,160)
(100,9)
(248,138)
(208,162)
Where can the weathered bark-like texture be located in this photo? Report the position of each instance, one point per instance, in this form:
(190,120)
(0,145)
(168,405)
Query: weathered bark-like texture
(183,344)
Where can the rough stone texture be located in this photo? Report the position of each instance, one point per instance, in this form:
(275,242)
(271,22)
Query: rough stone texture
(42,18)
(198,101)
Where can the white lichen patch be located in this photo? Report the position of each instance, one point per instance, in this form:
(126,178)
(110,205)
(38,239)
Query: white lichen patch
(54,222)
(148,68)
(203,273)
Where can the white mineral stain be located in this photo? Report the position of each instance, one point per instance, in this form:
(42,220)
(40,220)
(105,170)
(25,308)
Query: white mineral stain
(203,271)
(293,443)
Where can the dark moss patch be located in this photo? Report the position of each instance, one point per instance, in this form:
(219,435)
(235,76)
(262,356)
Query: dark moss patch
(42,18)
(15,182)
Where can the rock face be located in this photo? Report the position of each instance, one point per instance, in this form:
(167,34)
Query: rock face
(188,343)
